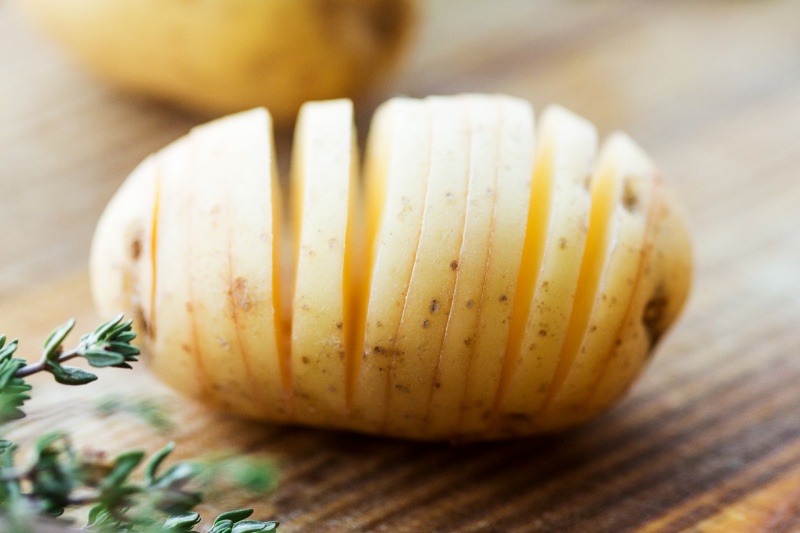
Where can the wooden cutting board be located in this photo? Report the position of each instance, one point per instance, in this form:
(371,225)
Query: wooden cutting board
(709,439)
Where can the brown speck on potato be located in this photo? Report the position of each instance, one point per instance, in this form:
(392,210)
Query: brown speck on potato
(144,325)
(562,243)
(136,248)
(630,201)
(339,325)
(304,359)
(239,294)
(453,265)
(434,306)
(503,298)
(379,324)
(468,341)
(543,333)
(470,303)
(378,349)
(186,348)
(426,323)
(653,315)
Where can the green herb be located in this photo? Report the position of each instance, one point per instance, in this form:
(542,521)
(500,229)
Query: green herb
(59,478)
(149,411)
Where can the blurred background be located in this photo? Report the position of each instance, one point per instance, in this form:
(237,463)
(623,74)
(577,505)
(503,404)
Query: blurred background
(708,439)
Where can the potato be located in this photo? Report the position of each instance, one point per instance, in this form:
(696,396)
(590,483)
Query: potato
(487,279)
(221,56)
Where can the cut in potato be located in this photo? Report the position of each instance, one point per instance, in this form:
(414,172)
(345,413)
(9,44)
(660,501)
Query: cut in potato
(484,114)
(481,282)
(511,212)
(546,290)
(396,175)
(623,190)
(662,283)
(433,277)
(171,334)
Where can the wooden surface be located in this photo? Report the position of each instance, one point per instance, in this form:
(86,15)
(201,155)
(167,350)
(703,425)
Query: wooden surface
(708,440)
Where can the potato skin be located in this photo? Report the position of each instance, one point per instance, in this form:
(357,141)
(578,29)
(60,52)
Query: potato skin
(222,56)
(159,199)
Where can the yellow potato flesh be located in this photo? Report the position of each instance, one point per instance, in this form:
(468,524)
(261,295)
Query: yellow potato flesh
(480,287)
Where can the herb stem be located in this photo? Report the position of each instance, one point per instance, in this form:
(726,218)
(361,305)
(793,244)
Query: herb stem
(41,364)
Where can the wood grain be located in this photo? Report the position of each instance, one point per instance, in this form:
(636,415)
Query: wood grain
(709,439)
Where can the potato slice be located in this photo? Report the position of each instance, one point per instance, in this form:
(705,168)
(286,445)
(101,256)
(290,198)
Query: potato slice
(396,177)
(430,291)
(323,192)
(514,167)
(233,305)
(484,115)
(172,343)
(633,174)
(122,260)
(548,279)
(621,192)
(662,286)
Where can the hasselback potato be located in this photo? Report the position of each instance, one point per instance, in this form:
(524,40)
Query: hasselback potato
(479,278)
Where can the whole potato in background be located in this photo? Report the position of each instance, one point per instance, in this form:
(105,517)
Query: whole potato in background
(220,56)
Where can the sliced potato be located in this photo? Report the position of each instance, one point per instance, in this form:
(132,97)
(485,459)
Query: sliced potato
(173,351)
(514,168)
(323,180)
(480,288)
(122,249)
(233,302)
(555,241)
(485,117)
(396,177)
(430,290)
(625,185)
(662,286)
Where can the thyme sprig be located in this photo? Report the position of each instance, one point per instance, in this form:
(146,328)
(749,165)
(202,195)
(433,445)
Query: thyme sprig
(59,478)
(108,345)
